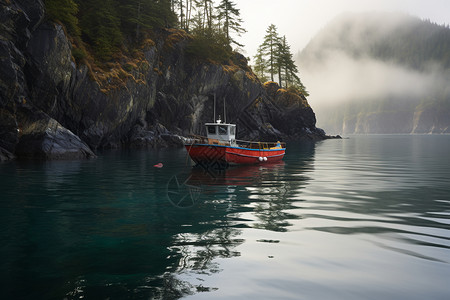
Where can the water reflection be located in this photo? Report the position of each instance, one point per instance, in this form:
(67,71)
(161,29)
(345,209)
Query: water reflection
(257,196)
(387,188)
(105,228)
(274,197)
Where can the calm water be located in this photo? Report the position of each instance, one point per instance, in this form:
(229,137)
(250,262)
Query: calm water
(360,218)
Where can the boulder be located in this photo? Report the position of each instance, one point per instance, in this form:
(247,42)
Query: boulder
(42,137)
(5,155)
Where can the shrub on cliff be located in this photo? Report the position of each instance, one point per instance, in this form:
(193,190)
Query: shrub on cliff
(64,11)
(286,97)
(209,45)
(106,26)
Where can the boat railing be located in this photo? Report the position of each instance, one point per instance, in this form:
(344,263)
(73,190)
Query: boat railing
(198,139)
(261,145)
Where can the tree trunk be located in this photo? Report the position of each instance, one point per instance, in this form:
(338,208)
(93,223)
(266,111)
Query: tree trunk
(138,25)
(279,76)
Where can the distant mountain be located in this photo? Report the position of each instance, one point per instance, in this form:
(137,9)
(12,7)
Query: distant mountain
(379,73)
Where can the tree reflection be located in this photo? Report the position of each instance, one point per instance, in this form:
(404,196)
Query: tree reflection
(199,250)
(266,192)
(279,188)
(104,229)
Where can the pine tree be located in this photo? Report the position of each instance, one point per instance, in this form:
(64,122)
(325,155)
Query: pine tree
(137,15)
(290,70)
(206,7)
(100,27)
(64,11)
(286,62)
(269,49)
(260,65)
(188,7)
(279,62)
(231,20)
(274,57)
(182,16)
(203,16)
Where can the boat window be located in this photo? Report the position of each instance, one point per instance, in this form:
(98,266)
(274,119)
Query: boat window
(212,129)
(222,130)
(232,130)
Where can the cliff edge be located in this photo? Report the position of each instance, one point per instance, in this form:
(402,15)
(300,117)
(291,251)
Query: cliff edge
(52,108)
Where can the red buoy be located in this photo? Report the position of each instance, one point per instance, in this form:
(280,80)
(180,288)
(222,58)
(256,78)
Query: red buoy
(158,165)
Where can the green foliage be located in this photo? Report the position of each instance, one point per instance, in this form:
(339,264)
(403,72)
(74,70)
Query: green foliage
(416,45)
(288,69)
(100,27)
(275,58)
(210,45)
(269,49)
(260,65)
(138,15)
(106,27)
(299,87)
(64,11)
(231,20)
(391,37)
(78,54)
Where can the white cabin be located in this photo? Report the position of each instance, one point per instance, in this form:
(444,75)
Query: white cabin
(222,132)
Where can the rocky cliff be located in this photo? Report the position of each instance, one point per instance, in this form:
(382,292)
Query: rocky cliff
(52,108)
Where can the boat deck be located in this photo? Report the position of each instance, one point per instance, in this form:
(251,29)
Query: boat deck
(237,143)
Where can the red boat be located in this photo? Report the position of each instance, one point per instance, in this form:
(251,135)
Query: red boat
(221,147)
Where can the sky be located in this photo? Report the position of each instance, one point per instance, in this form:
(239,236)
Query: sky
(300,20)
(339,79)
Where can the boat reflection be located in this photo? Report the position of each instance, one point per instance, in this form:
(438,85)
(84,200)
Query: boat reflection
(246,175)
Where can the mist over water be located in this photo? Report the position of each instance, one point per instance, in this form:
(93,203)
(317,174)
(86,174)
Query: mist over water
(357,60)
(339,78)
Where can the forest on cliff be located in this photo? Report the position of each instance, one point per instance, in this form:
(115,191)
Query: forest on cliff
(78,76)
(105,28)
(380,73)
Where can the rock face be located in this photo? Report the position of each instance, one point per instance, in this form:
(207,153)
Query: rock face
(53,109)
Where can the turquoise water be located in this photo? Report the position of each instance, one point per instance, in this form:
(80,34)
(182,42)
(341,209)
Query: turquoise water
(361,218)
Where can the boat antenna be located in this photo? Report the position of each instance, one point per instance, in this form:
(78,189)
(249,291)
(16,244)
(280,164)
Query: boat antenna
(214,107)
(224,114)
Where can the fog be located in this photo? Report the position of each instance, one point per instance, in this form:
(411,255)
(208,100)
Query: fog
(300,20)
(339,78)
(339,66)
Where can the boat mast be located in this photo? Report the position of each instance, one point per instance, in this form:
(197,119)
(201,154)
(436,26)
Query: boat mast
(214,107)
(224,114)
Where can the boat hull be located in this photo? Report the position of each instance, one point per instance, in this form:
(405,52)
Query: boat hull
(219,154)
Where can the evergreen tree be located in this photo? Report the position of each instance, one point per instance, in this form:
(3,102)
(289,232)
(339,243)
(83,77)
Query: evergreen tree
(208,13)
(290,70)
(260,65)
(203,19)
(231,20)
(64,11)
(100,26)
(105,27)
(280,62)
(182,16)
(274,57)
(188,7)
(210,44)
(269,48)
(137,15)
(286,62)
